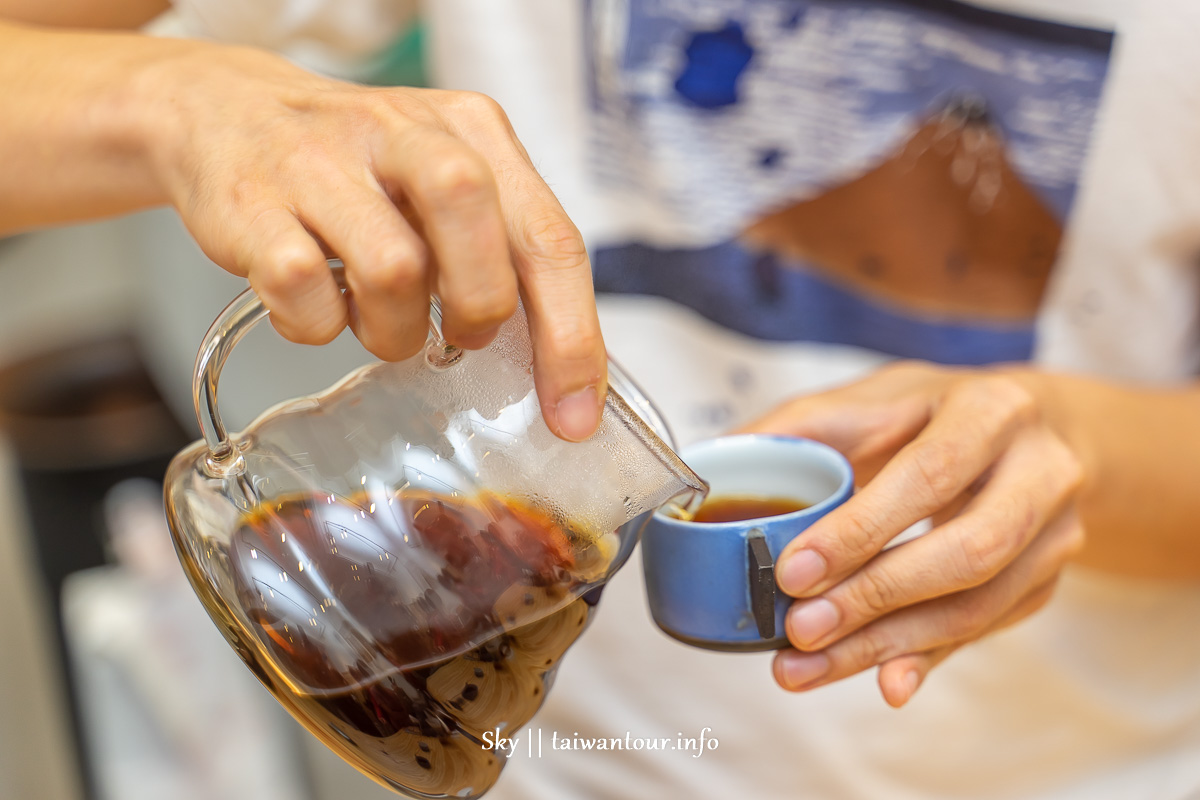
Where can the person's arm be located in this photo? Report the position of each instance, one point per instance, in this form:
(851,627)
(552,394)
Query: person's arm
(269,166)
(75,143)
(111,14)
(1021,471)
(1140,453)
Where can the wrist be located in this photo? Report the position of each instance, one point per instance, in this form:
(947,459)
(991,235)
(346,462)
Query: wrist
(185,98)
(142,115)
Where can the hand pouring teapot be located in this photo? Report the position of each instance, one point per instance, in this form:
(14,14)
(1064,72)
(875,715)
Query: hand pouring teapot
(403,559)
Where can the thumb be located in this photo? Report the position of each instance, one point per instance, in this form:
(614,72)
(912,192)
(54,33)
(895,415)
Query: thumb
(811,417)
(867,432)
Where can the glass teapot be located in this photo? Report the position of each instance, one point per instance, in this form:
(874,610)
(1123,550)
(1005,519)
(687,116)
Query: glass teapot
(403,559)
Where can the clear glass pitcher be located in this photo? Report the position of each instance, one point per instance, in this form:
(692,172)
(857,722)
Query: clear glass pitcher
(403,559)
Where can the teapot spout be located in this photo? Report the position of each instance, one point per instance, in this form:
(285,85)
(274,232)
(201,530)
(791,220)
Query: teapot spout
(680,486)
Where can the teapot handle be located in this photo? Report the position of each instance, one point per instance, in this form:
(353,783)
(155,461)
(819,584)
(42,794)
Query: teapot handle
(234,322)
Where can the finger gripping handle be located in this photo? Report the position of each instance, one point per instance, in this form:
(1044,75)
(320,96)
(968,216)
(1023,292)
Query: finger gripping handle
(234,322)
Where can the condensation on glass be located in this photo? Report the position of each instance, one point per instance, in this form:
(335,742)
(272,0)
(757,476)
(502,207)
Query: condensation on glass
(403,559)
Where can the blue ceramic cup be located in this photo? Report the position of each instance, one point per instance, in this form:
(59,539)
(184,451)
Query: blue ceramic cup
(712,585)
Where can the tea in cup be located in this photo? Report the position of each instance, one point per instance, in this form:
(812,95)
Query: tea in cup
(710,572)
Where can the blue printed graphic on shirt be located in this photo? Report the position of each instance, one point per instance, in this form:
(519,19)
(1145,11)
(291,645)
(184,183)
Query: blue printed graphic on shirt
(895,175)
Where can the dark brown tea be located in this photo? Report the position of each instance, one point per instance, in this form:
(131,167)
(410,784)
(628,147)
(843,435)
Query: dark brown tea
(400,635)
(737,508)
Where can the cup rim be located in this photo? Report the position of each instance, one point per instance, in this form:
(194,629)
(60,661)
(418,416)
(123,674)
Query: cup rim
(844,488)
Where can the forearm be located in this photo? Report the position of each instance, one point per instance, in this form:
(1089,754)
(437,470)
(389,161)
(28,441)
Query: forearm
(112,14)
(1140,450)
(76,137)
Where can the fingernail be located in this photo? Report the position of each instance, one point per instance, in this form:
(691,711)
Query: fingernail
(912,679)
(801,571)
(799,669)
(810,622)
(578,414)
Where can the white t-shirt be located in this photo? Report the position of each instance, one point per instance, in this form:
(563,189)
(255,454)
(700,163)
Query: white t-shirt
(710,151)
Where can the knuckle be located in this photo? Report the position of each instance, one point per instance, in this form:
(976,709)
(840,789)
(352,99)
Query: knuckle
(305,154)
(1010,401)
(456,179)
(873,645)
(399,103)
(555,241)
(984,553)
(284,266)
(874,594)
(937,467)
(386,109)
(572,337)
(1069,468)
(245,192)
(481,106)
(1022,402)
(969,617)
(393,270)
(869,533)
(484,308)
